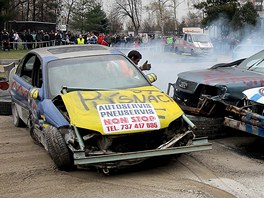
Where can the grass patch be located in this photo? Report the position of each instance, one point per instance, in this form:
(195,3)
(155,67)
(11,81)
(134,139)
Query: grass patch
(12,54)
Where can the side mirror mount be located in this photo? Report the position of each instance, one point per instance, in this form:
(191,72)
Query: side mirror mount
(34,93)
(152,77)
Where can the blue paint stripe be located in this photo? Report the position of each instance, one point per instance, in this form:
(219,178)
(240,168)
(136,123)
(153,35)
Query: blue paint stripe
(249,128)
(256,97)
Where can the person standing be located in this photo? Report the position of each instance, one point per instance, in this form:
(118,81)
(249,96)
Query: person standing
(108,39)
(34,35)
(29,39)
(58,37)
(144,40)
(24,39)
(80,40)
(16,39)
(100,38)
(46,39)
(5,40)
(93,38)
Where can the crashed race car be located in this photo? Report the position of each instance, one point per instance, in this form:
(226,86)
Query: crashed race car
(90,105)
(205,94)
(250,117)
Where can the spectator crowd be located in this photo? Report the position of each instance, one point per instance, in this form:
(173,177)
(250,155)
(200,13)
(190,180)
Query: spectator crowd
(34,39)
(28,39)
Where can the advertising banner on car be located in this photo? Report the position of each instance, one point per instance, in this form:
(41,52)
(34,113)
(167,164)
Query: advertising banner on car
(128,116)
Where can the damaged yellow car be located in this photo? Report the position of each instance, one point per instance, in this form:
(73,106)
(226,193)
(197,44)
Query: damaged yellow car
(90,105)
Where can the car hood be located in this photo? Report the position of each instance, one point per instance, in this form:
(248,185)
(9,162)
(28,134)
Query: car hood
(234,80)
(121,111)
(222,76)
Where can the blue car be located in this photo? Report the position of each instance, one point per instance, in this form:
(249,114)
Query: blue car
(91,105)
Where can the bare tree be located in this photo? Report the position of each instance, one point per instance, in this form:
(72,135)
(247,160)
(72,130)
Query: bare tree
(174,5)
(66,7)
(193,19)
(131,9)
(159,7)
(115,21)
(149,25)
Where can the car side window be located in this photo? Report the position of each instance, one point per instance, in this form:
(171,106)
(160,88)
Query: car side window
(37,73)
(27,68)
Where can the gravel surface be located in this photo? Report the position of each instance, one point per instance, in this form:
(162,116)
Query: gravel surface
(228,170)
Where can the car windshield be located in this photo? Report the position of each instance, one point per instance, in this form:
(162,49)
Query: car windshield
(102,72)
(200,38)
(255,62)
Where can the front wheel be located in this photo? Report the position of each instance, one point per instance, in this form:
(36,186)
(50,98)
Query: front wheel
(58,149)
(192,52)
(5,106)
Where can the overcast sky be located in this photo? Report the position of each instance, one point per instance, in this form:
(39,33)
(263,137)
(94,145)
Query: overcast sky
(182,9)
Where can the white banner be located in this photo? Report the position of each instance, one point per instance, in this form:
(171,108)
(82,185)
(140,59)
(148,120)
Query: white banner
(128,116)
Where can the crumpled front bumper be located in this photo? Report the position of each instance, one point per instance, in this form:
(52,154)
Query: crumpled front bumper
(199,144)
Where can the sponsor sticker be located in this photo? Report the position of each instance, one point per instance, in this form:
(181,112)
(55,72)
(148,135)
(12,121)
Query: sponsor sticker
(128,116)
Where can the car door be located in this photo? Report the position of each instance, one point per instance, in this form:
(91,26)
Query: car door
(21,84)
(37,85)
(190,43)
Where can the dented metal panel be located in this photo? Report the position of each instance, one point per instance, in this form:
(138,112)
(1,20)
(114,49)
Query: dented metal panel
(246,127)
(198,145)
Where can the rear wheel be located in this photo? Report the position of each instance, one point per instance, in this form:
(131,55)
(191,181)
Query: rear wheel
(5,108)
(58,149)
(16,119)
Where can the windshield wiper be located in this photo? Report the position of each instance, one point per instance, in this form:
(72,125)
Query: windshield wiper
(66,89)
(255,64)
(237,62)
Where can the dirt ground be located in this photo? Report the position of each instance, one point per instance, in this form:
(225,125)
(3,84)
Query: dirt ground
(228,170)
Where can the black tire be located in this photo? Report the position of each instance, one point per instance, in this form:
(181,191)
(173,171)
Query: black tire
(192,53)
(31,127)
(58,149)
(210,127)
(16,119)
(5,108)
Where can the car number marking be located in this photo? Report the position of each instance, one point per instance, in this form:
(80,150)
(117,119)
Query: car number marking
(145,97)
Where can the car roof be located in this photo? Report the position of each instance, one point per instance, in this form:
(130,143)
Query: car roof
(68,51)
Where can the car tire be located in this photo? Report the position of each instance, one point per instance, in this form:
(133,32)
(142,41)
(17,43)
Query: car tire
(5,108)
(58,149)
(210,127)
(16,119)
(31,127)
(192,53)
